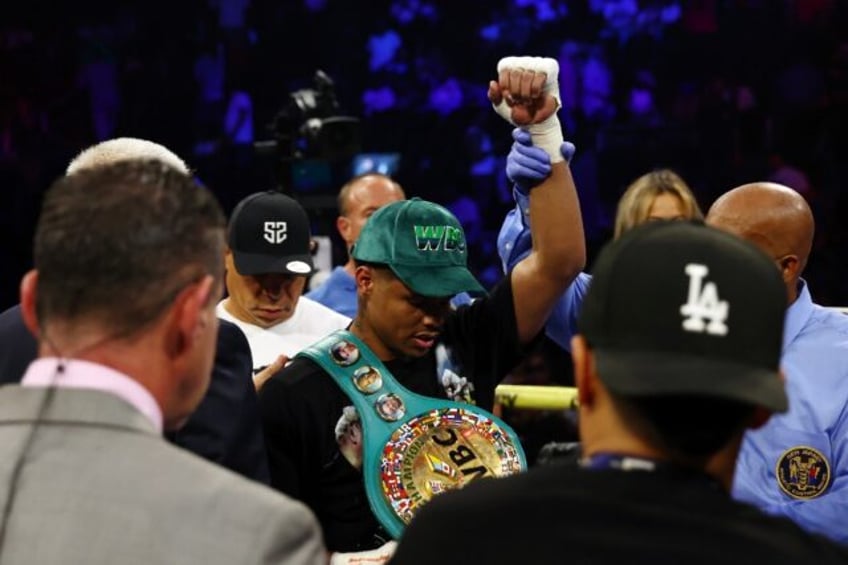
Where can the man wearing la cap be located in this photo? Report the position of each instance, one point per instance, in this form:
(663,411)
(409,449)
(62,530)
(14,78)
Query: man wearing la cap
(677,353)
(267,263)
(410,260)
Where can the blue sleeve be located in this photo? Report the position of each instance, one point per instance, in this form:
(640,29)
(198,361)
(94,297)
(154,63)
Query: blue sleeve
(514,238)
(827,514)
(337,293)
(461,299)
(562,325)
(797,464)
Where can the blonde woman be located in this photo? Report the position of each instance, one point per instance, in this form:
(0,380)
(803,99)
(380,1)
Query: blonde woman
(658,195)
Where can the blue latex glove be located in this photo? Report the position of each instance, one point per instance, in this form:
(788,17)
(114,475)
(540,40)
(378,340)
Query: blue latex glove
(527,166)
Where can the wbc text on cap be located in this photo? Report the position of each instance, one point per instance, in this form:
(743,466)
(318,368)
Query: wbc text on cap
(269,234)
(680,308)
(422,243)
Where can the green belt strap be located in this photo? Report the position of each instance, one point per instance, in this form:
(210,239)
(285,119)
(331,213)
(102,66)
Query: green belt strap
(415,446)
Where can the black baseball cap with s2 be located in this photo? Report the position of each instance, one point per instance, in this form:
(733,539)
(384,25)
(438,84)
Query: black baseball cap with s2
(680,308)
(269,233)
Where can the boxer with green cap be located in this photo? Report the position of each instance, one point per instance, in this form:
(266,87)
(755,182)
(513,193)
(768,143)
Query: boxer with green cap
(422,243)
(410,259)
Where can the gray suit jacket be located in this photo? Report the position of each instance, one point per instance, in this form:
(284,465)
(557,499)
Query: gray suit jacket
(100,486)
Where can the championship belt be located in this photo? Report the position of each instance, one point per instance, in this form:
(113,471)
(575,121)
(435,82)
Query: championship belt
(415,447)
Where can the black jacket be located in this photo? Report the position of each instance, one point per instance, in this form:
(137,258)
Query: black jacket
(225,428)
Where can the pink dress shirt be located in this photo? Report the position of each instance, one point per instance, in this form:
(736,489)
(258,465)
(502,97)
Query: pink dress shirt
(85,374)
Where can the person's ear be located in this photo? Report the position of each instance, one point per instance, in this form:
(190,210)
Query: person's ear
(344,227)
(190,315)
(229,264)
(790,267)
(365,279)
(29,302)
(584,370)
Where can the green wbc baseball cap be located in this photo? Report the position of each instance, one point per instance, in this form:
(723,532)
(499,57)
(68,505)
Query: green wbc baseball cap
(422,243)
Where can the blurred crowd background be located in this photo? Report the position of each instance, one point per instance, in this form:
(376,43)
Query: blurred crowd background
(723,91)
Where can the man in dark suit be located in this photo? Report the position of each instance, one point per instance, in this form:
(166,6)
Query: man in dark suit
(17,346)
(225,427)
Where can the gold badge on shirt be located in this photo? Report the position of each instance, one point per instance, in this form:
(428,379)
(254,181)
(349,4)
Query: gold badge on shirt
(803,472)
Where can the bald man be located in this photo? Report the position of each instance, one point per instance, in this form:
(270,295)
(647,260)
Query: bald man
(797,464)
(358,199)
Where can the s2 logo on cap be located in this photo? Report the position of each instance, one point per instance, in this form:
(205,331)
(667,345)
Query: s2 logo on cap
(275,232)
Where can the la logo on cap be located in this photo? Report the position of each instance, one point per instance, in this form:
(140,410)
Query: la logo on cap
(275,232)
(703,304)
(432,238)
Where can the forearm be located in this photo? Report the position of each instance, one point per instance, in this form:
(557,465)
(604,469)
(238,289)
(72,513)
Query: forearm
(558,254)
(556,226)
(527,95)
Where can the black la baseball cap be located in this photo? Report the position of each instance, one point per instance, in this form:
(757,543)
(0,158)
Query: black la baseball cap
(269,233)
(680,308)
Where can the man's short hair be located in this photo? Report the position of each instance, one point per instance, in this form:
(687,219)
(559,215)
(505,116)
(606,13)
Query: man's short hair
(122,149)
(116,243)
(689,429)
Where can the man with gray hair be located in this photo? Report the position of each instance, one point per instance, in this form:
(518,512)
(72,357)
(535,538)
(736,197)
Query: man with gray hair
(121,149)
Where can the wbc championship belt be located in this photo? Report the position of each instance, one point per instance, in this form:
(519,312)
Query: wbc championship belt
(415,447)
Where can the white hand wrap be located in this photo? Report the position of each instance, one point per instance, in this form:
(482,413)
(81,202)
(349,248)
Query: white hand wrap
(546,135)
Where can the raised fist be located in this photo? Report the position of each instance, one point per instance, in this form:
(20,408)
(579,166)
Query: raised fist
(526,91)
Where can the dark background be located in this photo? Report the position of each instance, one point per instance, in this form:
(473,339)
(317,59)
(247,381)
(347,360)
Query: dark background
(725,92)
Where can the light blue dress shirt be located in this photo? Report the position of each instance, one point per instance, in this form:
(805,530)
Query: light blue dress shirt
(337,293)
(815,362)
